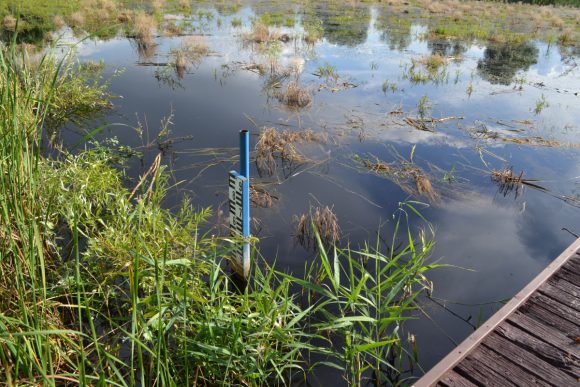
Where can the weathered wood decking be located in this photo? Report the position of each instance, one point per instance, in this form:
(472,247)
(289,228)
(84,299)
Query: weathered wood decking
(533,340)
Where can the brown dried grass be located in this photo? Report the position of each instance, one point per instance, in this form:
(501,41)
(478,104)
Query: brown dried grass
(181,63)
(195,46)
(58,21)
(260,33)
(273,145)
(295,96)
(261,198)
(507,181)
(143,25)
(157,5)
(9,23)
(321,221)
(424,187)
(77,19)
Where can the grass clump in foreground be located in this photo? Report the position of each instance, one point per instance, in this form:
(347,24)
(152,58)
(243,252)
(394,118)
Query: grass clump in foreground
(102,285)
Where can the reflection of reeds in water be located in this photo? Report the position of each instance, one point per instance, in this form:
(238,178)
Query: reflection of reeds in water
(507,181)
(142,27)
(319,221)
(273,145)
(181,64)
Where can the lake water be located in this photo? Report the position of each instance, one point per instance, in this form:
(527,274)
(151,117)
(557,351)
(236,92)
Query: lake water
(503,106)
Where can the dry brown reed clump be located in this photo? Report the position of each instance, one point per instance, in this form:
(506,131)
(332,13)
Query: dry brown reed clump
(9,23)
(58,21)
(141,29)
(433,62)
(143,25)
(295,96)
(181,63)
(261,33)
(321,221)
(406,174)
(261,198)
(195,46)
(185,4)
(99,11)
(377,166)
(125,17)
(424,187)
(507,181)
(172,29)
(273,145)
(192,49)
(77,19)
(157,5)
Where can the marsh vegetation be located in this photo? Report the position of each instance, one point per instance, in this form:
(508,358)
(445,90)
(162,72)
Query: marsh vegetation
(118,123)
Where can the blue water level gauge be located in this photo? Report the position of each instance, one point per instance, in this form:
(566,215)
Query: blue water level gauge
(239,200)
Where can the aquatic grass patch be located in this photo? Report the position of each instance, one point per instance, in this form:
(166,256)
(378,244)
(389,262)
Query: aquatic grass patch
(295,96)
(426,69)
(261,33)
(319,222)
(405,173)
(274,145)
(190,52)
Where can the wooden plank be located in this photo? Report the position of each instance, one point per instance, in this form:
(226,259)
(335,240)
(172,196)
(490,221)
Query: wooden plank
(453,379)
(560,296)
(547,334)
(503,366)
(549,353)
(557,308)
(480,373)
(564,275)
(565,286)
(473,340)
(547,317)
(573,264)
(531,363)
(570,275)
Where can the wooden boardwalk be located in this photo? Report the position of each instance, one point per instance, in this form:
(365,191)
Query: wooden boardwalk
(533,340)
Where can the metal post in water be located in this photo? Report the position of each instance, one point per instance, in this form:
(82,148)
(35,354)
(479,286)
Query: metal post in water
(239,198)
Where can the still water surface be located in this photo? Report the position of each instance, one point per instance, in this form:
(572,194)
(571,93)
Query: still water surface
(498,242)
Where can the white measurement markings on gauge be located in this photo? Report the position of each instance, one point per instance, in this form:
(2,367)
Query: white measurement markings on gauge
(236,187)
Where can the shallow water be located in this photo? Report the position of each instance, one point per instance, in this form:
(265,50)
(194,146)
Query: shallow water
(497,242)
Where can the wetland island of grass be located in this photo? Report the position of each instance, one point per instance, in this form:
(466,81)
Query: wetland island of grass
(413,165)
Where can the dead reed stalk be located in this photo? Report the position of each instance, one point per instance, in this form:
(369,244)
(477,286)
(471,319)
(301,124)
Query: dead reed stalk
(273,145)
(295,96)
(9,23)
(322,222)
(507,181)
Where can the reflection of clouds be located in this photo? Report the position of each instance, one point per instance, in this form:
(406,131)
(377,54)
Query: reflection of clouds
(541,223)
(476,233)
(414,136)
